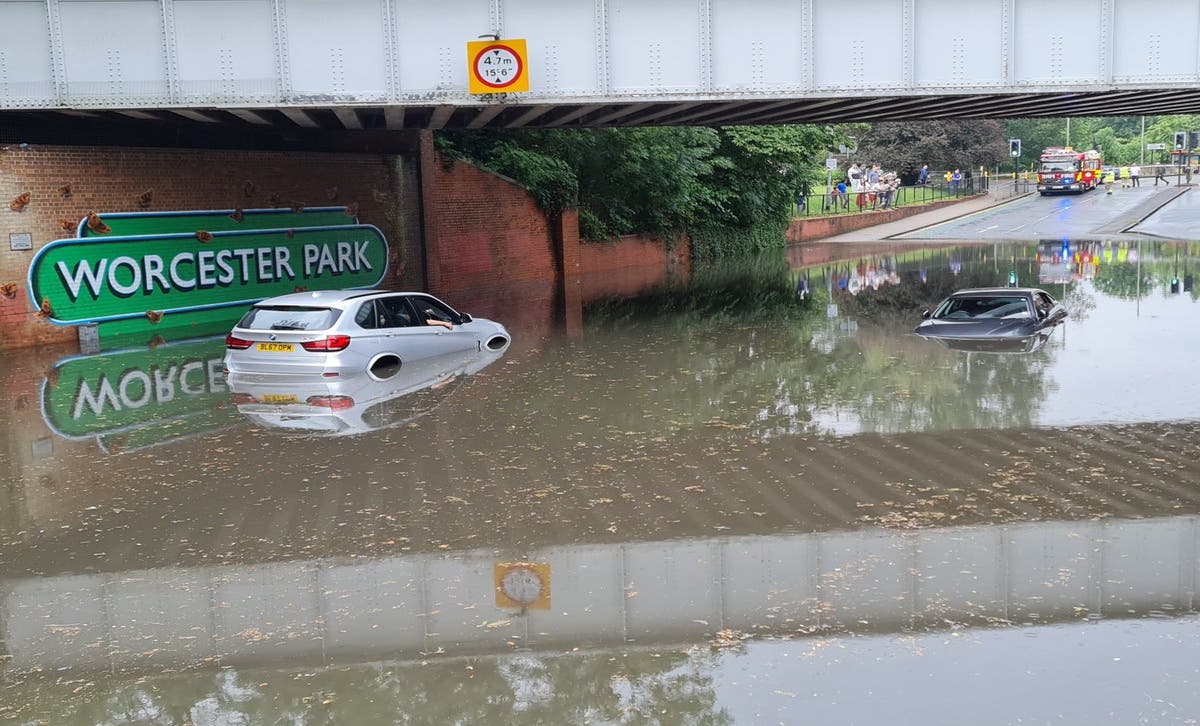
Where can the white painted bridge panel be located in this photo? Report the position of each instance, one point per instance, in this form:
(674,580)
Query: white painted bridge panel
(114,52)
(235,61)
(128,54)
(25,62)
(957,43)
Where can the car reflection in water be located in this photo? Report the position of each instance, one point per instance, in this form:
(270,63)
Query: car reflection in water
(355,404)
(995,345)
(1013,315)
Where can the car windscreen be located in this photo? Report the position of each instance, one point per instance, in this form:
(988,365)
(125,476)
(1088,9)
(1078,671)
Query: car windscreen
(289,317)
(1059,166)
(970,308)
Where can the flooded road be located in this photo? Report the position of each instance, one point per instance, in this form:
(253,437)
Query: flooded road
(723,503)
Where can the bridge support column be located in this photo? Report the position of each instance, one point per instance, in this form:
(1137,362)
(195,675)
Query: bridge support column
(566,237)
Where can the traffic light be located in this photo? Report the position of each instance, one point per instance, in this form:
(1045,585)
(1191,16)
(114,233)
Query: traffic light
(1188,283)
(1180,140)
(1174,285)
(1012,278)
(1193,139)
(1014,147)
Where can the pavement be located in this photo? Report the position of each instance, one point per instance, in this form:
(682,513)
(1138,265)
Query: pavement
(1155,216)
(946,213)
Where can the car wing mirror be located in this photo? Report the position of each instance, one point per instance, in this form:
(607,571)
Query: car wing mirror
(925,313)
(463,318)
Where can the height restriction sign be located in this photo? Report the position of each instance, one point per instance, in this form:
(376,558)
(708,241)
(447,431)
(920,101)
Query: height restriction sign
(497,66)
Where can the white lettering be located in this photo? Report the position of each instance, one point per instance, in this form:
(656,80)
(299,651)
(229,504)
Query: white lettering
(326,260)
(182,283)
(154,273)
(216,375)
(264,265)
(205,267)
(311,254)
(124,289)
(283,257)
(244,254)
(164,387)
(226,275)
(360,256)
(96,403)
(183,378)
(344,253)
(83,272)
(135,377)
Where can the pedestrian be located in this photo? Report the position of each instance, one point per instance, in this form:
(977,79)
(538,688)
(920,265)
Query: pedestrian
(854,174)
(1135,172)
(1124,175)
(923,175)
(1109,177)
(955,180)
(842,195)
(1160,173)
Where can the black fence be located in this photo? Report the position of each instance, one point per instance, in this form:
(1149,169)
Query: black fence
(820,205)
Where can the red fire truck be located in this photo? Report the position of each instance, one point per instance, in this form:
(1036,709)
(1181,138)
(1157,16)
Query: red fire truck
(1062,169)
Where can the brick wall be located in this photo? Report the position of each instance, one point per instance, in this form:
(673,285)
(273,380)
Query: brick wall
(631,265)
(481,228)
(813,228)
(104,179)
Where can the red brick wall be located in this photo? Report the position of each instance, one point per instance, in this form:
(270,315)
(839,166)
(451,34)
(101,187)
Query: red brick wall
(106,179)
(631,265)
(812,228)
(481,228)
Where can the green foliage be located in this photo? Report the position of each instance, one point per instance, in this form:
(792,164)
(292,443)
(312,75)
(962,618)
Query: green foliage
(755,287)
(1119,139)
(711,242)
(739,181)
(551,181)
(952,144)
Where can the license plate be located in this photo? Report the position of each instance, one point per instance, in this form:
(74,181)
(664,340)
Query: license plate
(276,347)
(279,398)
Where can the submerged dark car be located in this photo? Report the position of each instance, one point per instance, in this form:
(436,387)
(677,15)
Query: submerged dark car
(996,313)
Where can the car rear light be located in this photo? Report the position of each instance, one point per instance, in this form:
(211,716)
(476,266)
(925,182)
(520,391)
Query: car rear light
(333,403)
(234,343)
(328,344)
(239,399)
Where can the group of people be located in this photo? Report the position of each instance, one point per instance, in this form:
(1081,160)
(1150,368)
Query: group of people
(869,185)
(1130,176)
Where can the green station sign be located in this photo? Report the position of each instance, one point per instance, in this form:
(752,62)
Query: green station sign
(147,395)
(125,224)
(108,278)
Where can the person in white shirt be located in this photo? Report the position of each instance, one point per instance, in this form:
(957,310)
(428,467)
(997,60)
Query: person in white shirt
(1135,171)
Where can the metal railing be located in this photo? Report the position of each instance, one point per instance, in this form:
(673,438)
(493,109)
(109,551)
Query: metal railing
(833,203)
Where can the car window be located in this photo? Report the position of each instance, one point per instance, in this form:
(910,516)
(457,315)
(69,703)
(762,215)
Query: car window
(1044,303)
(366,317)
(394,312)
(433,310)
(288,317)
(969,308)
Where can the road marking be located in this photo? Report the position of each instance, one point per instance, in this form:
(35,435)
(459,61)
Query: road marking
(985,229)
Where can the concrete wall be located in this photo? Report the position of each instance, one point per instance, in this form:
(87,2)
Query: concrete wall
(106,180)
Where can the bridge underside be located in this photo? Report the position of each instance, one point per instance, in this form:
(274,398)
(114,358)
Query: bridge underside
(351,126)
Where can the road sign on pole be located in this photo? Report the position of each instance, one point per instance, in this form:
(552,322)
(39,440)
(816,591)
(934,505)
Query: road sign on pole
(497,66)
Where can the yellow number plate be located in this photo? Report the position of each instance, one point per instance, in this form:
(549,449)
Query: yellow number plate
(276,347)
(279,398)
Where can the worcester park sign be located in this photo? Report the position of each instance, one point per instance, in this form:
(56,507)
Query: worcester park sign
(159,263)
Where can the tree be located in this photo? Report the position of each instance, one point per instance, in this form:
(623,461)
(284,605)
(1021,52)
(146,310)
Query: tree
(905,145)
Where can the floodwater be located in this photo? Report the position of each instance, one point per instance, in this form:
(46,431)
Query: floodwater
(721,503)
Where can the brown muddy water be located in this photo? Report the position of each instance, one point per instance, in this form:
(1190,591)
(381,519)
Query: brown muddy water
(725,504)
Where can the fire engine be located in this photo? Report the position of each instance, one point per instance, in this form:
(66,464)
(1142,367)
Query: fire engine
(1062,169)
